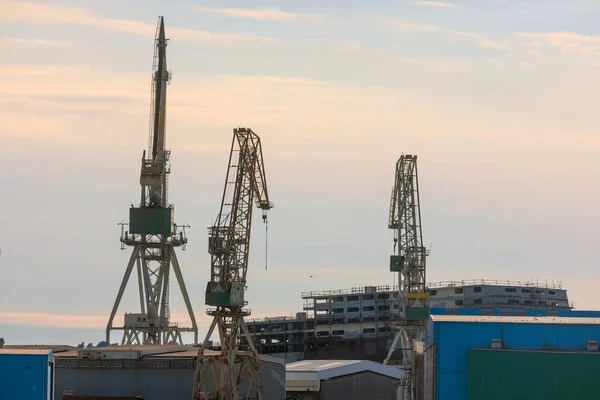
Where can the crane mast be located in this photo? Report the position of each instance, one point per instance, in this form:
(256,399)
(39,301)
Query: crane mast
(228,245)
(410,264)
(152,231)
(405,220)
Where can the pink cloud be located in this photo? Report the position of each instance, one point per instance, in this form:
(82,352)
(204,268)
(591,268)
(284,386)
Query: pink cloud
(35,12)
(258,14)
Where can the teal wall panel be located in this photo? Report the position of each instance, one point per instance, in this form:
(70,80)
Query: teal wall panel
(532,375)
(151,221)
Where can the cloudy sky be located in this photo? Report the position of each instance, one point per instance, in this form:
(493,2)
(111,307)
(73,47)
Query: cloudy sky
(498,99)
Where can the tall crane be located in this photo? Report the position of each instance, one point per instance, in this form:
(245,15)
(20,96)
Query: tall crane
(152,231)
(410,264)
(228,245)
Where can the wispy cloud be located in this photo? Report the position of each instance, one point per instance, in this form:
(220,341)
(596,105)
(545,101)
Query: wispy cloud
(56,320)
(437,4)
(478,38)
(90,321)
(566,42)
(11,41)
(267,14)
(41,71)
(28,98)
(438,64)
(33,82)
(533,45)
(35,12)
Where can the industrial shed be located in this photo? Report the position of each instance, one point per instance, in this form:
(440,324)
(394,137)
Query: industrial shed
(341,380)
(153,372)
(502,357)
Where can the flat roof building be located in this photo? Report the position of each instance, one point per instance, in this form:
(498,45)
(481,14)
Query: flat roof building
(479,357)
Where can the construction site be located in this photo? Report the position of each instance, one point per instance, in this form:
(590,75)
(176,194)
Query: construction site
(375,342)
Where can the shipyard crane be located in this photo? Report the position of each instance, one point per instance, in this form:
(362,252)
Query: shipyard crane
(409,262)
(152,231)
(228,245)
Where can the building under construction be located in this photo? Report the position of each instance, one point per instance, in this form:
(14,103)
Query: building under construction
(356,323)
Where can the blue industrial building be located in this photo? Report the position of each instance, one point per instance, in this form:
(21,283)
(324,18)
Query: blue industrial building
(488,357)
(526,312)
(26,374)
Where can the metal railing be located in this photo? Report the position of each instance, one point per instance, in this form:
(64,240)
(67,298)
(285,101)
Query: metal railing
(496,282)
(434,285)
(354,290)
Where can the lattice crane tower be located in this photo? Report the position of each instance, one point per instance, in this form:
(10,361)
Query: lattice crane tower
(409,261)
(152,231)
(228,245)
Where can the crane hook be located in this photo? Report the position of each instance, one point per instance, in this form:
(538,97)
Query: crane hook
(266,222)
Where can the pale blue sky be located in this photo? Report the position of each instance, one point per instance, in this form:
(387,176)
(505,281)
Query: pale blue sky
(497,98)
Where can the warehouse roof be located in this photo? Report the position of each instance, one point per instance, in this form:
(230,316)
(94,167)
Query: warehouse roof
(516,319)
(307,375)
(149,351)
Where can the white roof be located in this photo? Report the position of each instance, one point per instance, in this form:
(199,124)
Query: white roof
(307,375)
(515,319)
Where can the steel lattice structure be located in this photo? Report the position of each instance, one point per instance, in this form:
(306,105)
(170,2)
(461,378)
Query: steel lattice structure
(152,232)
(410,263)
(229,241)
(405,220)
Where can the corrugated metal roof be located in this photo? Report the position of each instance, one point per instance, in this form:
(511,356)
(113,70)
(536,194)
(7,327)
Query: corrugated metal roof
(191,352)
(25,351)
(307,375)
(159,351)
(319,365)
(515,319)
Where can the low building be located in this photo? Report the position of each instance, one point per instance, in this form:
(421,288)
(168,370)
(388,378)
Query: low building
(483,357)
(341,380)
(152,372)
(26,374)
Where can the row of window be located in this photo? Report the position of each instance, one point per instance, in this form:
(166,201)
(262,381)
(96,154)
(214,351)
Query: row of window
(365,331)
(387,317)
(433,292)
(510,301)
(526,290)
(383,307)
(365,297)
(395,295)
(477,289)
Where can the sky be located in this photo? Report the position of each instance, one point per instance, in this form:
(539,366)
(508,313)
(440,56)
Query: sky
(497,98)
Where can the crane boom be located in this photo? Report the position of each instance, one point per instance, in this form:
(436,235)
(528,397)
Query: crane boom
(160,80)
(229,244)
